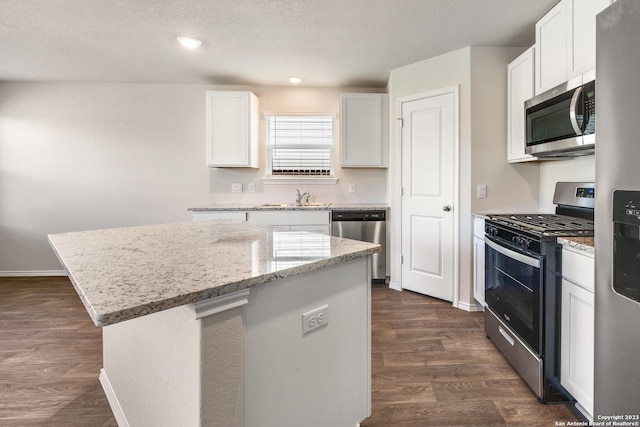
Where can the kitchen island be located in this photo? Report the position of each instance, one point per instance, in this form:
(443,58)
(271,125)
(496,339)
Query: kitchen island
(207,324)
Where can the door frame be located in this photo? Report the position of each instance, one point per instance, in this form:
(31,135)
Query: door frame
(455,90)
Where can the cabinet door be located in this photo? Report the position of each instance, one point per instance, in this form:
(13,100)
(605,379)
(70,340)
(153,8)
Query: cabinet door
(551,48)
(478,269)
(233,216)
(581,37)
(363,130)
(520,81)
(577,343)
(232,129)
(289,218)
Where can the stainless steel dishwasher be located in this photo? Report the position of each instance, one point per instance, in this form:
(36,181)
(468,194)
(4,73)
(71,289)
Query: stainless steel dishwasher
(367,226)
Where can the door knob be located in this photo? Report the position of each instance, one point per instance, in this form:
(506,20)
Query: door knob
(446,208)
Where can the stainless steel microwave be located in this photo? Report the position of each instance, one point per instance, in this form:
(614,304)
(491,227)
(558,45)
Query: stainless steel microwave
(561,122)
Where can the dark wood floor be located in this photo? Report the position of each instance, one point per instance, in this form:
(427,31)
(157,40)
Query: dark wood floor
(50,357)
(432,364)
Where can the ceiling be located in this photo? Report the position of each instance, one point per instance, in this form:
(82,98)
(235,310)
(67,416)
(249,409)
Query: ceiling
(330,43)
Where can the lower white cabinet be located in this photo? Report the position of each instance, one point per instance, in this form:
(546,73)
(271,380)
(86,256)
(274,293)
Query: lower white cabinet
(234,216)
(577,329)
(315,221)
(478,260)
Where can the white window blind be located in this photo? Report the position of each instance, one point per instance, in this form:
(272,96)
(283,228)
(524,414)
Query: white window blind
(300,144)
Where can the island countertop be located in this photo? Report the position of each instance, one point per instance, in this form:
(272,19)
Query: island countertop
(124,273)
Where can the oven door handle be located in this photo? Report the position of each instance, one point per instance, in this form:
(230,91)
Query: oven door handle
(533,262)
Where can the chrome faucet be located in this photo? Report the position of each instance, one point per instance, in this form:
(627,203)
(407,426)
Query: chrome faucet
(304,196)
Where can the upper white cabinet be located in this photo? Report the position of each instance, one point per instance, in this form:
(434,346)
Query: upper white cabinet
(566,41)
(232,120)
(581,27)
(551,48)
(520,87)
(364,130)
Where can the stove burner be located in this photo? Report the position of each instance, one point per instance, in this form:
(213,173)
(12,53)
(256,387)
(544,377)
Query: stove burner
(547,224)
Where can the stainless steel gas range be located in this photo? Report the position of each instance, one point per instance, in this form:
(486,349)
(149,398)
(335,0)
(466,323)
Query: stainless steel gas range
(523,285)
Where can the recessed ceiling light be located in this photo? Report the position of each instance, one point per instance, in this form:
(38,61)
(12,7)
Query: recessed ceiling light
(295,80)
(189,42)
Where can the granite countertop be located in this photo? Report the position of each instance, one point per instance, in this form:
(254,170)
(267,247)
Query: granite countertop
(262,207)
(124,273)
(585,244)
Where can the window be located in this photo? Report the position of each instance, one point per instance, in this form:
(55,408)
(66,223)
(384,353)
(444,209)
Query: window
(300,145)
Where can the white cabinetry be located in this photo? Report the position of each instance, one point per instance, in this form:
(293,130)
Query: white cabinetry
(232,120)
(313,221)
(364,130)
(551,48)
(581,30)
(566,41)
(520,81)
(478,260)
(234,216)
(577,330)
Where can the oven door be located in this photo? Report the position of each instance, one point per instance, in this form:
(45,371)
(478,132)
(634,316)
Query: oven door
(513,289)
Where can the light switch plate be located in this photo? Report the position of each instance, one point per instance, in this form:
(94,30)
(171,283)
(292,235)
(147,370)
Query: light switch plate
(482,191)
(236,188)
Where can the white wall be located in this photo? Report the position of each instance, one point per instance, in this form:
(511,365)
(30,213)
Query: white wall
(77,156)
(480,73)
(579,169)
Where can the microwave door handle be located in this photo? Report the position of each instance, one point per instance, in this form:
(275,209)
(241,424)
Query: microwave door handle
(572,111)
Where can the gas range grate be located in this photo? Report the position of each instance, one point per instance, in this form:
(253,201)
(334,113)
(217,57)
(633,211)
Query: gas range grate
(547,224)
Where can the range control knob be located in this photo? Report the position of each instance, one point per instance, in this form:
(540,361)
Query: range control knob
(521,242)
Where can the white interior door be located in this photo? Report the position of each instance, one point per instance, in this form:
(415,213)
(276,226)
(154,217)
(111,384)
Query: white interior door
(429,168)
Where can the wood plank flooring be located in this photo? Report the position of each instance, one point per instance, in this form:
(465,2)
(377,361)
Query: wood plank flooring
(432,364)
(50,357)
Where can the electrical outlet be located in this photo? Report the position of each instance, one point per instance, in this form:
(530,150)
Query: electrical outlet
(352,188)
(315,319)
(236,188)
(251,187)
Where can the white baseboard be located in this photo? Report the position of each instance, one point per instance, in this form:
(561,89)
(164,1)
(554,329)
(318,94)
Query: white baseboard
(395,286)
(33,273)
(468,307)
(118,413)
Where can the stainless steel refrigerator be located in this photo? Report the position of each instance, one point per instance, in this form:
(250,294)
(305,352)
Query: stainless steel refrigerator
(617,243)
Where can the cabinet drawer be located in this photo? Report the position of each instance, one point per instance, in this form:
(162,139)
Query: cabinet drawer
(578,268)
(279,217)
